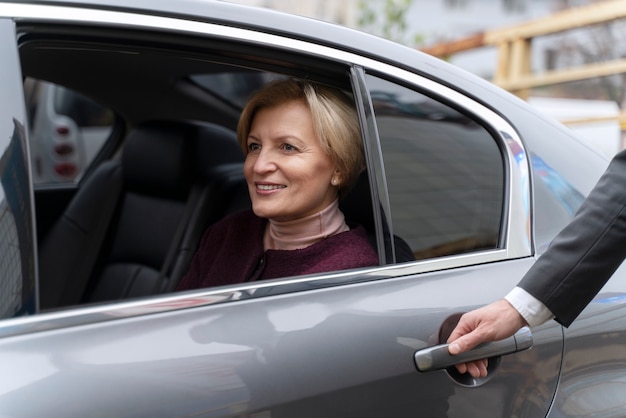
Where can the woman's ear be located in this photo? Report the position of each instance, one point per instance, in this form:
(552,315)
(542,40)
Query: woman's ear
(336,179)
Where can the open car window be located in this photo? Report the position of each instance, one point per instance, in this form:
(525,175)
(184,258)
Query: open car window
(133,222)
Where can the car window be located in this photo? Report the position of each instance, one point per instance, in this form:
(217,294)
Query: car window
(179,157)
(444,173)
(67,129)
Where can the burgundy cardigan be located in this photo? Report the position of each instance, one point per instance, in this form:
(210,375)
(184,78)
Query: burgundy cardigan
(231,251)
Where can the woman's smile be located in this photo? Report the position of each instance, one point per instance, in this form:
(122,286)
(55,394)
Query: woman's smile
(269,187)
(289,174)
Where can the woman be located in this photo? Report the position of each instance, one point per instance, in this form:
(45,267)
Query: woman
(303,151)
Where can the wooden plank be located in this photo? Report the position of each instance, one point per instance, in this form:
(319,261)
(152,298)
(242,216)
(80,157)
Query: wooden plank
(565,75)
(519,67)
(520,60)
(445,49)
(504,63)
(558,22)
(573,18)
(619,117)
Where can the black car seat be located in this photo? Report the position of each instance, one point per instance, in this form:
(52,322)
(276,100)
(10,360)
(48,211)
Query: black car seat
(224,170)
(225,190)
(127,231)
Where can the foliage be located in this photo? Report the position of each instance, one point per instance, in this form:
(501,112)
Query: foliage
(387,19)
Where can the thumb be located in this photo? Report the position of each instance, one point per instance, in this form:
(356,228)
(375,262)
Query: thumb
(463,344)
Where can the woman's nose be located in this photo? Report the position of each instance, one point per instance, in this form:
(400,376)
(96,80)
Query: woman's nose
(264,162)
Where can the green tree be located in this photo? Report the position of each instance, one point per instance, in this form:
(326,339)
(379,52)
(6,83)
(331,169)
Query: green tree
(388,19)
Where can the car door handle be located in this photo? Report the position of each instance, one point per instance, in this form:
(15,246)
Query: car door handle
(437,357)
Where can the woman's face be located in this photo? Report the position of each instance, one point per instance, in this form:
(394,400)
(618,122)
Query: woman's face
(288,173)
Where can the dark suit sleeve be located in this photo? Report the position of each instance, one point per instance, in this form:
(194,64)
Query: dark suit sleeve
(584,255)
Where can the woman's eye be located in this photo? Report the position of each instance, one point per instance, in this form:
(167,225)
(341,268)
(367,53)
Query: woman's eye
(254,147)
(289,147)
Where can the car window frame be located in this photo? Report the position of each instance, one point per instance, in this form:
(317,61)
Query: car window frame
(515,235)
(499,142)
(17,154)
(516,240)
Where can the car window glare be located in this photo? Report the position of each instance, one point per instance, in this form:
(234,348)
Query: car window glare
(444,173)
(67,130)
(84,111)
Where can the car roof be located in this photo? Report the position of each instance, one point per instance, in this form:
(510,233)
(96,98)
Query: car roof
(267,20)
(275,22)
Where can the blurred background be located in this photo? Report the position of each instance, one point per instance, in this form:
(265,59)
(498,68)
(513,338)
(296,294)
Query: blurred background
(565,57)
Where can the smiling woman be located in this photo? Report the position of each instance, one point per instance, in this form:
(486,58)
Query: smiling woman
(303,151)
(288,172)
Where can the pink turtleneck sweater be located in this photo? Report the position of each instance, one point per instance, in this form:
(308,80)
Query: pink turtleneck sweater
(243,247)
(303,232)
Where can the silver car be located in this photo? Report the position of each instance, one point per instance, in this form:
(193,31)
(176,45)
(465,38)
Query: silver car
(466,185)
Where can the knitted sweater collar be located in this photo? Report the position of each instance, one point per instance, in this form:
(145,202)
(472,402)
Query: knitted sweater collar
(304,232)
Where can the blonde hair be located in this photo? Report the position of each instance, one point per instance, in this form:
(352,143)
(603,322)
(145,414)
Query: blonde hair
(335,122)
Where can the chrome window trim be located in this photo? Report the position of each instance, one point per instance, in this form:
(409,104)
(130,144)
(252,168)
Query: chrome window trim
(374,158)
(93,314)
(14,128)
(517,239)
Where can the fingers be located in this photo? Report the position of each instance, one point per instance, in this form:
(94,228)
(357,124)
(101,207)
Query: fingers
(465,343)
(461,367)
(468,334)
(493,322)
(463,336)
(476,369)
(456,334)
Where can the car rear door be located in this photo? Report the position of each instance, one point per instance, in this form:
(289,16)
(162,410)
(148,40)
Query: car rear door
(321,348)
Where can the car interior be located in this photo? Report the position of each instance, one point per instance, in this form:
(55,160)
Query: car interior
(135,222)
(170,168)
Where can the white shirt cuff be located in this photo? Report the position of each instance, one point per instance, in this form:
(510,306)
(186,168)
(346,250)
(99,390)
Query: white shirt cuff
(532,310)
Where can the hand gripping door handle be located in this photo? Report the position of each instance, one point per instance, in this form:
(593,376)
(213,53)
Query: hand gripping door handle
(437,357)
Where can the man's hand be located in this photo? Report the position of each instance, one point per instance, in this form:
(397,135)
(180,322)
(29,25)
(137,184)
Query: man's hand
(493,322)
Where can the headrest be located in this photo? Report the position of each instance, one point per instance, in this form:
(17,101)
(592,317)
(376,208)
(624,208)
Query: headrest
(357,204)
(216,147)
(156,159)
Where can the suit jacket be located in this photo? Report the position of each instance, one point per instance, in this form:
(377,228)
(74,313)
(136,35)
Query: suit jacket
(584,255)
(231,251)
